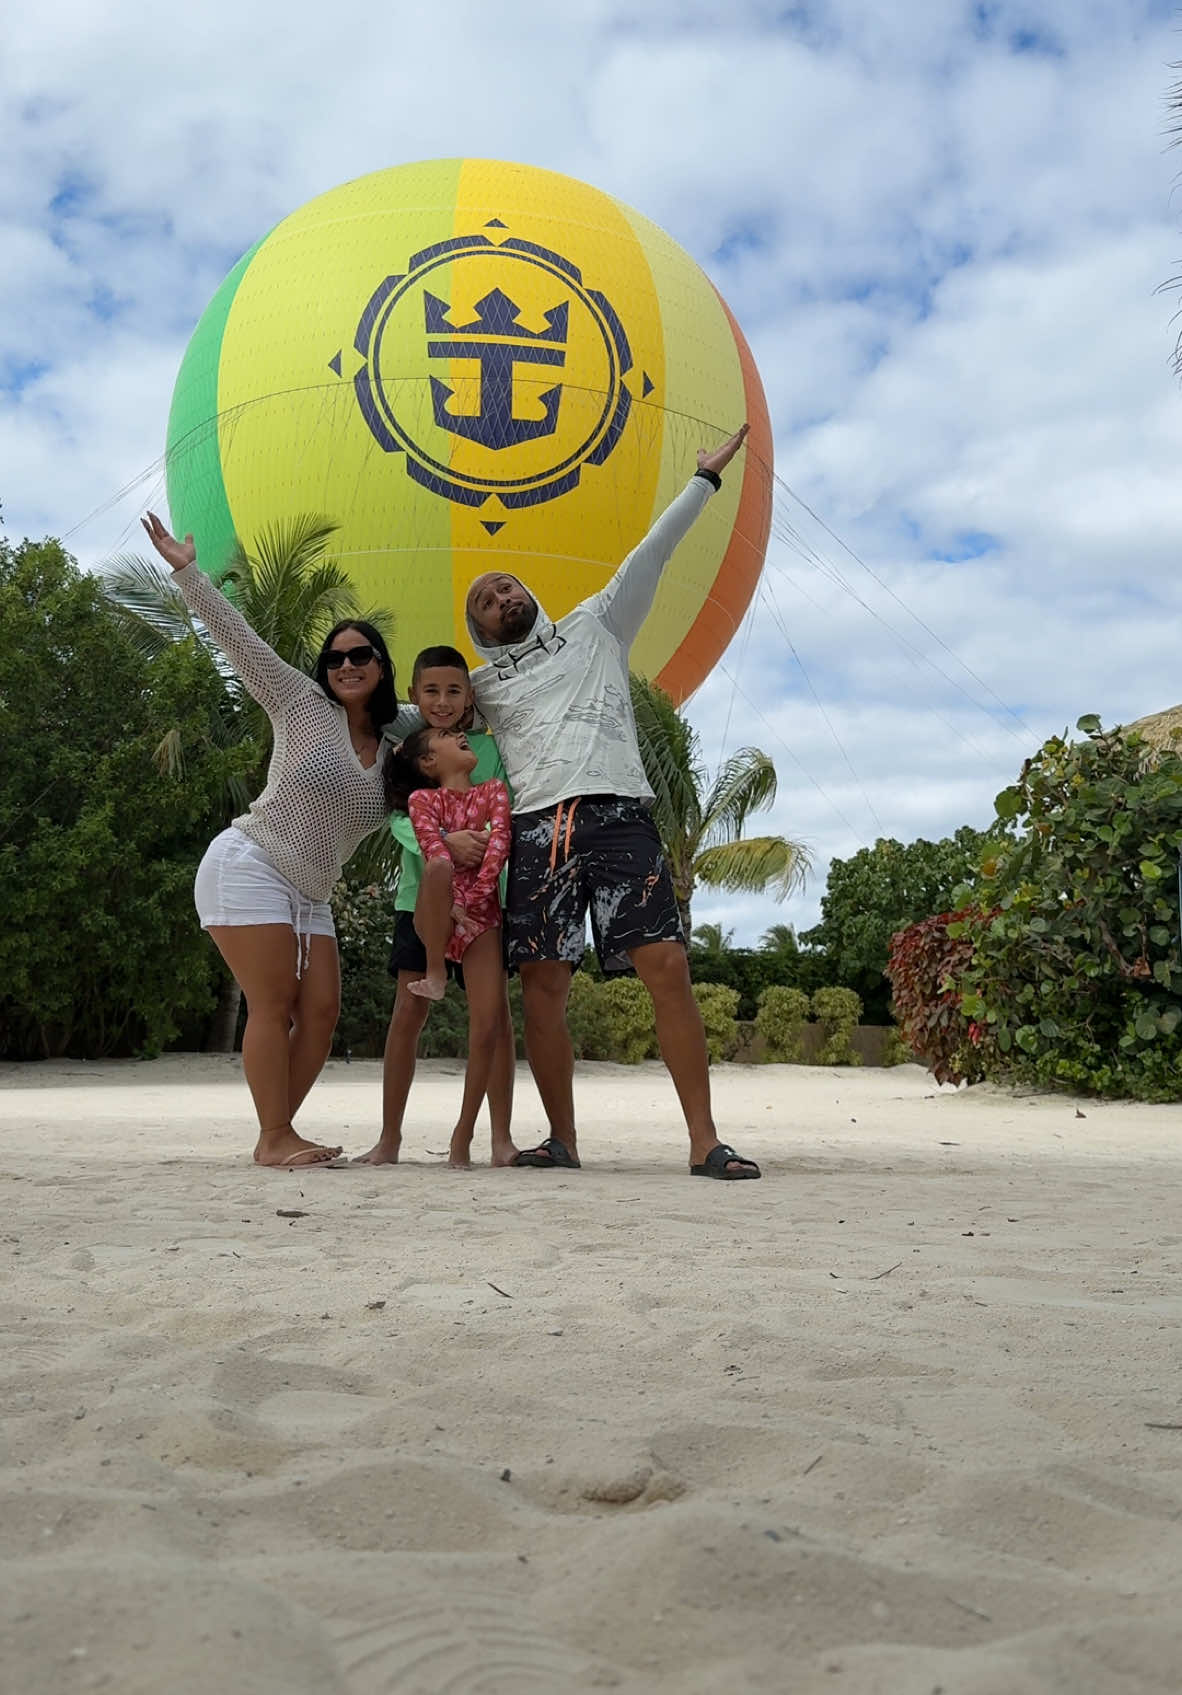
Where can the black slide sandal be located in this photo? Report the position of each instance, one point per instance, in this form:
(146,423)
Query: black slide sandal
(550,1153)
(718,1161)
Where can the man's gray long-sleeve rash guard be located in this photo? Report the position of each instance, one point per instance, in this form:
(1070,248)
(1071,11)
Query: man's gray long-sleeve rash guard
(558,701)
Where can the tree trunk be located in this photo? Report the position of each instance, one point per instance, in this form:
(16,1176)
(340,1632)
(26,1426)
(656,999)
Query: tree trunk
(224,1026)
(683,907)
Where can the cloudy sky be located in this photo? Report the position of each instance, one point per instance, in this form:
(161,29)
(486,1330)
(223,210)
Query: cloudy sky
(943,226)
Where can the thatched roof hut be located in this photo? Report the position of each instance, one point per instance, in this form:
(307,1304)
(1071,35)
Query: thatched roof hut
(1162,730)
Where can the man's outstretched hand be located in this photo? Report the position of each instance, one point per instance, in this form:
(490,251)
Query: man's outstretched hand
(176,553)
(722,456)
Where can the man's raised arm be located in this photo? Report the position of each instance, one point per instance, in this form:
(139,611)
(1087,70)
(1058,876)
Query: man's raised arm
(625,602)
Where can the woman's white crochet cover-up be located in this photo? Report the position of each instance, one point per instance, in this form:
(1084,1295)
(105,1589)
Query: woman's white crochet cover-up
(320,802)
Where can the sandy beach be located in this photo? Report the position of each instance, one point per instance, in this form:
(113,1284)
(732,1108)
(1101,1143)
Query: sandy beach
(905,1417)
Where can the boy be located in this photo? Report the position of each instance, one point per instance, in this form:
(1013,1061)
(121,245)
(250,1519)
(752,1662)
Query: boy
(441,690)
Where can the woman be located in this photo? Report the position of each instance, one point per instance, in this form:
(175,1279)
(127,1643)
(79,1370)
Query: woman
(263,887)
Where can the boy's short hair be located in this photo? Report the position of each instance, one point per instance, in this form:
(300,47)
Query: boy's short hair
(432,658)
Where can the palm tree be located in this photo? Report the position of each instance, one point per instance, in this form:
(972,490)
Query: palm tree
(711,938)
(701,820)
(292,593)
(780,938)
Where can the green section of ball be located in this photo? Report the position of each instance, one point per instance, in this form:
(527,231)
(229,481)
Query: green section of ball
(197,500)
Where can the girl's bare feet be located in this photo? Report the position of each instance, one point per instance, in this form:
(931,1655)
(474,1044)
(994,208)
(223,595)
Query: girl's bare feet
(385,1151)
(504,1151)
(284,1148)
(459,1152)
(432,987)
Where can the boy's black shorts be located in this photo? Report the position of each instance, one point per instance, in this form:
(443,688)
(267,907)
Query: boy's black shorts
(599,853)
(408,952)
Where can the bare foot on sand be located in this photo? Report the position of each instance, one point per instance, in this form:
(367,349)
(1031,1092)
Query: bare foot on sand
(432,987)
(503,1151)
(286,1150)
(459,1151)
(385,1151)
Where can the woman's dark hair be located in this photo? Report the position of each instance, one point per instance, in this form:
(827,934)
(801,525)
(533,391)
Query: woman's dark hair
(402,775)
(382,703)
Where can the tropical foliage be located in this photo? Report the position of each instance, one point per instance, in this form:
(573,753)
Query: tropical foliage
(718,1005)
(781,1018)
(925,968)
(1075,978)
(837,1011)
(702,820)
(789,1036)
(749,971)
(878,891)
(100,951)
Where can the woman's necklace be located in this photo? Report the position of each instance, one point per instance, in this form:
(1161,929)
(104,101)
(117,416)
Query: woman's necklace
(364,745)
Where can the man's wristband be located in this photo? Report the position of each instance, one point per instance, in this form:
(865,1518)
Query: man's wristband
(709,476)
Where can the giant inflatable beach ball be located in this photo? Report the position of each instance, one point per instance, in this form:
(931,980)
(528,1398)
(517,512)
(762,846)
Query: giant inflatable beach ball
(475,366)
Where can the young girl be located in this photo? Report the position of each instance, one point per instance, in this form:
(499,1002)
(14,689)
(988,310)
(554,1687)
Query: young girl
(458,912)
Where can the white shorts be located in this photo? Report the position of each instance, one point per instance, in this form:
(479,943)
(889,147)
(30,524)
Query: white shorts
(237,884)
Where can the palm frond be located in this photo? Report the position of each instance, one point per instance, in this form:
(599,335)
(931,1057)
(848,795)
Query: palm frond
(669,754)
(147,602)
(711,938)
(289,591)
(377,860)
(382,618)
(746,784)
(289,545)
(779,938)
(168,756)
(756,865)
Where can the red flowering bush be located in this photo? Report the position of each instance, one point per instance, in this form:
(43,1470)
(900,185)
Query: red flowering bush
(925,965)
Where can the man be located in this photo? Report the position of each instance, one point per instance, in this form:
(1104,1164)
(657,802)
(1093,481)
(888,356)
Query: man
(556,697)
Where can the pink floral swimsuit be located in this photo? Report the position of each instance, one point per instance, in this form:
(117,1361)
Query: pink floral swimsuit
(436,812)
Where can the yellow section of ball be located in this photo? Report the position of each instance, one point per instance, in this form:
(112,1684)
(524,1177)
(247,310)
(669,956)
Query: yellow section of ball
(471,365)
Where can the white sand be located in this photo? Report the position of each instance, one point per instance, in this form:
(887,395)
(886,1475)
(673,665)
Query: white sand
(878,1425)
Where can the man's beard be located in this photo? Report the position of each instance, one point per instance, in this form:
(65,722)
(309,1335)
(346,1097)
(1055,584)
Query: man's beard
(518,621)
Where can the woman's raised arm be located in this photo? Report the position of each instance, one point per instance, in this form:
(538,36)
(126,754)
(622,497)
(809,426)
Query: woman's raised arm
(270,680)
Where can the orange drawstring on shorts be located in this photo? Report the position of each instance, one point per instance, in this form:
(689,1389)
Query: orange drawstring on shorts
(570,819)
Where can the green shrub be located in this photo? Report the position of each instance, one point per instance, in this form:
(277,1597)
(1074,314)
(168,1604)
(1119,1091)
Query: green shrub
(780,1021)
(837,1011)
(1075,980)
(718,1005)
(587,1018)
(364,915)
(896,1049)
(629,1025)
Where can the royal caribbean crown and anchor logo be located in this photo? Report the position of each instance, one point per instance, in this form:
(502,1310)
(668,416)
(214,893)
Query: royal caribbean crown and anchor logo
(495,370)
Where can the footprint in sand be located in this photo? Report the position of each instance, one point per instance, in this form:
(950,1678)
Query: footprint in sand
(428,1649)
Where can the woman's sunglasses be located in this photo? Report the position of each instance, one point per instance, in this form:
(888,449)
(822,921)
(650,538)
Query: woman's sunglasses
(357,656)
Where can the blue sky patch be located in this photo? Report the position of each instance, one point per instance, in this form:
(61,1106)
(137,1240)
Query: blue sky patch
(17,374)
(969,544)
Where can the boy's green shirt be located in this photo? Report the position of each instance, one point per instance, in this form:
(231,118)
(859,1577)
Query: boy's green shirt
(488,765)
